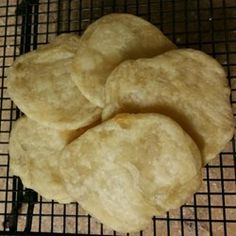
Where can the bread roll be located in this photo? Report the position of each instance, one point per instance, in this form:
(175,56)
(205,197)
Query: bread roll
(34,156)
(185,84)
(109,41)
(40,84)
(130,168)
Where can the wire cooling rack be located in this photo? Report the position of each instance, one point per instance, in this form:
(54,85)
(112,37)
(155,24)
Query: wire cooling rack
(207,25)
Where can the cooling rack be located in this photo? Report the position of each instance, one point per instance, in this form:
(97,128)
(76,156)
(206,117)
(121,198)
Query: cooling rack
(208,25)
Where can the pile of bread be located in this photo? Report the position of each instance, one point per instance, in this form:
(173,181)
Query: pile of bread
(119,120)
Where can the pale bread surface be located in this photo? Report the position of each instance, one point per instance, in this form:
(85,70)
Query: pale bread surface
(185,84)
(34,154)
(40,84)
(130,168)
(109,41)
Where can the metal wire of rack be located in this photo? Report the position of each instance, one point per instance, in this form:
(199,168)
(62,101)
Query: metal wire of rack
(208,25)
